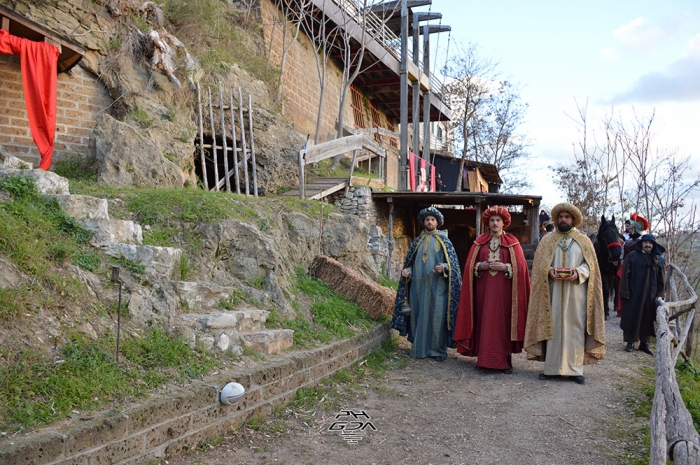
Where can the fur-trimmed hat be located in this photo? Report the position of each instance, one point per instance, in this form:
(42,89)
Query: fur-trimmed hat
(640,224)
(571,209)
(496,211)
(431,211)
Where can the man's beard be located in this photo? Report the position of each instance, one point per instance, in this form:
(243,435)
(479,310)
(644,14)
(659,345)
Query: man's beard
(564,227)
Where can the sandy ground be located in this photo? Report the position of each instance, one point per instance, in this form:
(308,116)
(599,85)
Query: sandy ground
(424,412)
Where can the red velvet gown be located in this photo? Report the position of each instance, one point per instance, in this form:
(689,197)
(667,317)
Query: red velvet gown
(486,327)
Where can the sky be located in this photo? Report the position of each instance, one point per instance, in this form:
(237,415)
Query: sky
(621,56)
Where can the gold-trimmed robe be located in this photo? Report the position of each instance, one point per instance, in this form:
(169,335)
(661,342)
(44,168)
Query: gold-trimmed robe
(566,322)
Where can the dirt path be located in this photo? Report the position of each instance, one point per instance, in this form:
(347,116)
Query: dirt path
(448,413)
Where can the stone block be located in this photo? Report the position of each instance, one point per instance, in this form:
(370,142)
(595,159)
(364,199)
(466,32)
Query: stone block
(160,262)
(89,436)
(47,182)
(113,231)
(161,434)
(272,390)
(298,380)
(201,295)
(37,450)
(118,451)
(270,341)
(152,413)
(82,207)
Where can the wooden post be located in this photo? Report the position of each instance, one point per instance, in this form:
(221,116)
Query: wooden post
(689,341)
(233,138)
(223,138)
(201,140)
(213,143)
(426,96)
(252,145)
(302,163)
(533,217)
(478,218)
(352,167)
(403,98)
(390,237)
(243,144)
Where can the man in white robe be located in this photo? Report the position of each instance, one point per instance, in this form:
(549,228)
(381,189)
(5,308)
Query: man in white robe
(566,322)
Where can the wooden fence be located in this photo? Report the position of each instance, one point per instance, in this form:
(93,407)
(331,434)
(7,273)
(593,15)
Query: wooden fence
(218,152)
(673,436)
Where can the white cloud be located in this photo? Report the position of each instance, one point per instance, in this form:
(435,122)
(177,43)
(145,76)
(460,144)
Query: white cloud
(679,81)
(609,54)
(639,35)
(642,35)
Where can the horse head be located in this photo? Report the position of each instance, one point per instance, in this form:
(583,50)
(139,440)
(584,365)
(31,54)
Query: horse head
(608,241)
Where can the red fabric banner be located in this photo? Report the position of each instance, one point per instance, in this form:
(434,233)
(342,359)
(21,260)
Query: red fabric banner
(418,169)
(39,62)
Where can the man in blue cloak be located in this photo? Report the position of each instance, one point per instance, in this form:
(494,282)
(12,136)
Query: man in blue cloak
(430,282)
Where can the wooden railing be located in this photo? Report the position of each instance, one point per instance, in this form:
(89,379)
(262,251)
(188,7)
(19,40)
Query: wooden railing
(673,436)
(349,144)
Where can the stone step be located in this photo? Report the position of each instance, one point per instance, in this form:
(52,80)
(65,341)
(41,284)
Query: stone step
(113,231)
(229,331)
(270,341)
(47,182)
(160,262)
(200,295)
(82,207)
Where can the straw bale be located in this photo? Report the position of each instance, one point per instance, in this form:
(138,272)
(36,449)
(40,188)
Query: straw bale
(377,300)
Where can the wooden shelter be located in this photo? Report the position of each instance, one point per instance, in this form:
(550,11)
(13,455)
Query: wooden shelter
(462,212)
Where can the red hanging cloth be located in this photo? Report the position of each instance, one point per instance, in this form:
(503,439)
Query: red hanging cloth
(39,63)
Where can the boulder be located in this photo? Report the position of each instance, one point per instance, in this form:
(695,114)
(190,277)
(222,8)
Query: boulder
(8,162)
(127,158)
(47,182)
(82,207)
(10,275)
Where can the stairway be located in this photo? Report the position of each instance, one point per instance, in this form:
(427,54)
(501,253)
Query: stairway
(320,188)
(199,316)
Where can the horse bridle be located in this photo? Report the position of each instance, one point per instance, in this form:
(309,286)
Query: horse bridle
(610,246)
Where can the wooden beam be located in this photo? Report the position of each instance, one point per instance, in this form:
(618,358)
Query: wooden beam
(342,145)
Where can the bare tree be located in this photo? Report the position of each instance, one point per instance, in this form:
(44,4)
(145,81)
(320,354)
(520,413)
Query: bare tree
(486,115)
(322,36)
(291,13)
(470,76)
(655,182)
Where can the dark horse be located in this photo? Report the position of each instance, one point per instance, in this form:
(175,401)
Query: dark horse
(608,250)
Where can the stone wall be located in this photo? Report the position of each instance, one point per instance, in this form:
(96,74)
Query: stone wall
(176,422)
(80,98)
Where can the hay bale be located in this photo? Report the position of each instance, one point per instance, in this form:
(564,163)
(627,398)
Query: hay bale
(377,300)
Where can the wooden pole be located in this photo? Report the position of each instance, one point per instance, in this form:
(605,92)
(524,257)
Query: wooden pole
(352,166)
(201,140)
(213,143)
(243,144)
(233,137)
(426,96)
(390,237)
(252,145)
(223,137)
(302,162)
(403,99)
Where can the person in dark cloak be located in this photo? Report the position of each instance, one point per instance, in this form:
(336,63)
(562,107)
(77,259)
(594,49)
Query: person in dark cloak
(430,284)
(641,286)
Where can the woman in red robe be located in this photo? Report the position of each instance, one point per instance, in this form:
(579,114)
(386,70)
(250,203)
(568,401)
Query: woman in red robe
(495,291)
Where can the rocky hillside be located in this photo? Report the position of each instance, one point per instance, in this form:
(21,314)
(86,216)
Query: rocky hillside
(150,57)
(223,263)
